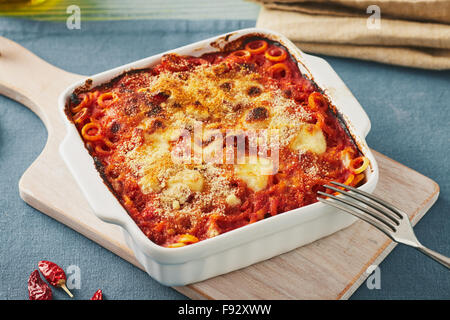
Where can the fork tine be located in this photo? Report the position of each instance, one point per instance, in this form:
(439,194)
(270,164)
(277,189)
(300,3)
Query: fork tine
(371,204)
(372,197)
(363,217)
(376,216)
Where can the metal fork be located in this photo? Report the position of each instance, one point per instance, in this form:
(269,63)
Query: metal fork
(380,214)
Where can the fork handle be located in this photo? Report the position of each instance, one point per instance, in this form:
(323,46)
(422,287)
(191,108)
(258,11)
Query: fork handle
(436,256)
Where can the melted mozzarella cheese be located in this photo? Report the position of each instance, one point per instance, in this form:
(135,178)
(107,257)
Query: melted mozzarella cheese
(309,138)
(147,159)
(198,112)
(232,200)
(191,178)
(181,186)
(255,172)
(152,156)
(213,151)
(149,183)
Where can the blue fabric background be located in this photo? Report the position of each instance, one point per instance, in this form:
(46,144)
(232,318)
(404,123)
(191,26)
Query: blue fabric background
(409,109)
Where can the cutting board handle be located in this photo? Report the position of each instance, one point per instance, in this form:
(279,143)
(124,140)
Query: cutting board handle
(28,79)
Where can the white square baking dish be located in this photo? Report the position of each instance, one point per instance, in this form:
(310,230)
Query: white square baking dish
(243,246)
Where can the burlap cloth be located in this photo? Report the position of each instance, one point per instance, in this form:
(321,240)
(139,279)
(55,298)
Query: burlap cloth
(413,33)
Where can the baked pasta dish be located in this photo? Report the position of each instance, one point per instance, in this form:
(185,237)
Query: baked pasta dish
(194,147)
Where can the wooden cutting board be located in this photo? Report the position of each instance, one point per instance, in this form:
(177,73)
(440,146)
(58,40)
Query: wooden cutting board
(330,268)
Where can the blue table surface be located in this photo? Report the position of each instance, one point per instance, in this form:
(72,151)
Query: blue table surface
(409,110)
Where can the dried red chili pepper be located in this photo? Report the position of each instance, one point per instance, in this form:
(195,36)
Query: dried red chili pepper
(98,295)
(54,274)
(37,288)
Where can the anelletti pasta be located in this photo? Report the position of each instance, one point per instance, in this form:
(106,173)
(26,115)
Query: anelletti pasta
(198,146)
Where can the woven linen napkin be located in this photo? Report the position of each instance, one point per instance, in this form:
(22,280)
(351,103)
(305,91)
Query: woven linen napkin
(412,37)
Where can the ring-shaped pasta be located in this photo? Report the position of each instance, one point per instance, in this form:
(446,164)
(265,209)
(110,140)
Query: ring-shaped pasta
(96,116)
(93,95)
(349,180)
(103,149)
(81,105)
(240,55)
(80,116)
(107,96)
(320,120)
(88,128)
(358,179)
(359,164)
(317,101)
(275,54)
(108,142)
(187,238)
(278,71)
(176,245)
(258,215)
(321,123)
(256,47)
(145,90)
(127,201)
(112,172)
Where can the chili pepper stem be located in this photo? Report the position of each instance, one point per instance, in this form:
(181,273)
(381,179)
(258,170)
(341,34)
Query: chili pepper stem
(63,286)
